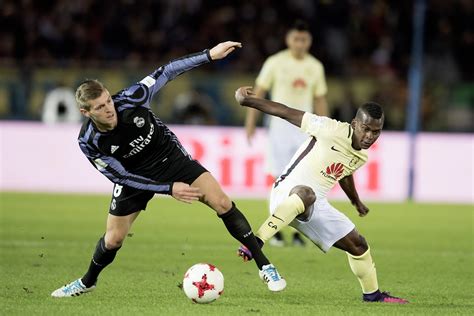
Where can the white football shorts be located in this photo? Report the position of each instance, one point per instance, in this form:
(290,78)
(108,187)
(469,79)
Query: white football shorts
(326,224)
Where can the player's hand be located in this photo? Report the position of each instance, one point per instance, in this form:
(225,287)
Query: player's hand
(185,193)
(361,208)
(223,49)
(242,93)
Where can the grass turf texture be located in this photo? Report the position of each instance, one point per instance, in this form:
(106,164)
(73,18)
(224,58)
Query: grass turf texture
(423,252)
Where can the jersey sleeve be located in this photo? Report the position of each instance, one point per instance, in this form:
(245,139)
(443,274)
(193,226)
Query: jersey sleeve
(115,172)
(141,93)
(316,125)
(267,74)
(320,88)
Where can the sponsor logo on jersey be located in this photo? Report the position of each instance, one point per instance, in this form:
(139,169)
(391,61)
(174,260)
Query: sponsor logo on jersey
(334,171)
(139,121)
(140,142)
(299,83)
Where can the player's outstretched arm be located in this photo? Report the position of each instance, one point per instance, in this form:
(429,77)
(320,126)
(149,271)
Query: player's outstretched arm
(246,97)
(116,172)
(138,94)
(348,186)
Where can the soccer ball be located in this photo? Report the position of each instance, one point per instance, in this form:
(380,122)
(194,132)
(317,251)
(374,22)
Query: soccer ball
(203,283)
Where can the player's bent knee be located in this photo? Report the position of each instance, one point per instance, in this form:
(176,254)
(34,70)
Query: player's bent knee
(358,246)
(113,244)
(220,204)
(306,194)
(362,245)
(114,240)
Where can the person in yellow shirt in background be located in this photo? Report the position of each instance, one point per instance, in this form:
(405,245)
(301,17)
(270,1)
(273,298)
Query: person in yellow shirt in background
(296,78)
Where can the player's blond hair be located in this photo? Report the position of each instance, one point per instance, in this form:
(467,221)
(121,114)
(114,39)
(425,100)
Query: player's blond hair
(90,89)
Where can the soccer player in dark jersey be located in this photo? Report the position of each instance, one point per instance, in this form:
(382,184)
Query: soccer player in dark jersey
(126,142)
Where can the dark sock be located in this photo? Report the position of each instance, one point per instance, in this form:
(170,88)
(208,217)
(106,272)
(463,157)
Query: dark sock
(240,229)
(102,257)
(372,296)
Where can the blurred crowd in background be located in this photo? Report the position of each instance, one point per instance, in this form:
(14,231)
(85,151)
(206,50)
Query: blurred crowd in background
(365,47)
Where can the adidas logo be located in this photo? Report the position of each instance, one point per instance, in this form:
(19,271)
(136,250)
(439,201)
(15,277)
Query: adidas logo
(334,171)
(113,148)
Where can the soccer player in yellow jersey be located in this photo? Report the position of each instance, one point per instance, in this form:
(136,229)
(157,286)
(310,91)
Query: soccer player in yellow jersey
(291,76)
(332,153)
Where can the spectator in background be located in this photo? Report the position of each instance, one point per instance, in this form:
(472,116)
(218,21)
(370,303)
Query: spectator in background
(345,109)
(193,108)
(356,39)
(292,76)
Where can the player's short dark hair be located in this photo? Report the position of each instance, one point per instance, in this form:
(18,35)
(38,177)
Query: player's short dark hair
(300,25)
(373,109)
(89,89)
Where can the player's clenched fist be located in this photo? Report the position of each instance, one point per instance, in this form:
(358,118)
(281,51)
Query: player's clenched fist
(361,208)
(242,93)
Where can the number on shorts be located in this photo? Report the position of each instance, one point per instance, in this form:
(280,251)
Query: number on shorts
(118,190)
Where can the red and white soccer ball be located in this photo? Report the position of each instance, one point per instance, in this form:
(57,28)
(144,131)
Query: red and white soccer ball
(203,283)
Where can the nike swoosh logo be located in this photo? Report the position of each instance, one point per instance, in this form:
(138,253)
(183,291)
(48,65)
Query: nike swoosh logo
(333,148)
(277,217)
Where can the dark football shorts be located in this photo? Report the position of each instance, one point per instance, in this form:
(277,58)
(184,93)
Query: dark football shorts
(127,200)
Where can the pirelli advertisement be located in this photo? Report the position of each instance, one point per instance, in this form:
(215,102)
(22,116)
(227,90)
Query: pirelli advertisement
(56,164)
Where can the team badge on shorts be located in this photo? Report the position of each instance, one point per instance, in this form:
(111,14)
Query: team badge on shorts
(139,121)
(113,205)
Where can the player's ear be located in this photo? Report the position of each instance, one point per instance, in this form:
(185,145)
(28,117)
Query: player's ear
(310,38)
(353,123)
(288,38)
(84,112)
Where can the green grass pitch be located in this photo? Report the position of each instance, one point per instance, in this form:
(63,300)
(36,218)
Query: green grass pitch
(423,252)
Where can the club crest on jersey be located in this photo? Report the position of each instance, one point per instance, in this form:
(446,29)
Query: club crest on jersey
(139,121)
(334,171)
(354,161)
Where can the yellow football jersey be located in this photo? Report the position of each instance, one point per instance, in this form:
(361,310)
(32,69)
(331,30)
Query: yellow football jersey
(291,81)
(324,158)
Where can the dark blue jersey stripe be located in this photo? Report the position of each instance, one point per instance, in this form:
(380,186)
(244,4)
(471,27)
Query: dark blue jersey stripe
(115,172)
(296,162)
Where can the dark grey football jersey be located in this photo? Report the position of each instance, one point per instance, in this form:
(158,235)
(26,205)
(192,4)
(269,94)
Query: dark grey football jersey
(133,153)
